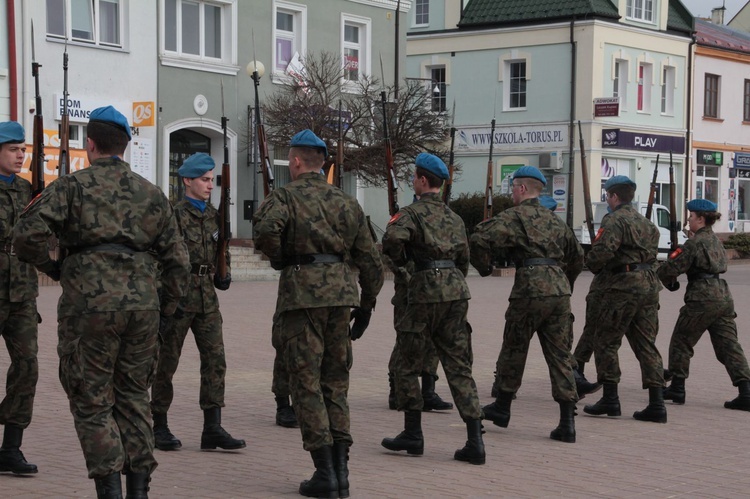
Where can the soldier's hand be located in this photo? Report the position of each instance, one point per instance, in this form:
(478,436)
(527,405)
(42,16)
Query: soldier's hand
(52,268)
(673,286)
(487,271)
(222,283)
(361,318)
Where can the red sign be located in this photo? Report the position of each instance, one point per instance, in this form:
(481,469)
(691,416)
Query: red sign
(606,106)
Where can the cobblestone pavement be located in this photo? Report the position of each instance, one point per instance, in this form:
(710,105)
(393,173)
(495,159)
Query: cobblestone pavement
(704,450)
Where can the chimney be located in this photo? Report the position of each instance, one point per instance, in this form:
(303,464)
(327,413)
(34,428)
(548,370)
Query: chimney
(717,15)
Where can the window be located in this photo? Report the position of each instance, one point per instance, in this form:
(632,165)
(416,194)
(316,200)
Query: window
(421,12)
(611,167)
(355,47)
(711,96)
(98,22)
(289,34)
(644,87)
(667,90)
(517,84)
(707,183)
(746,107)
(196,29)
(640,10)
(438,89)
(620,82)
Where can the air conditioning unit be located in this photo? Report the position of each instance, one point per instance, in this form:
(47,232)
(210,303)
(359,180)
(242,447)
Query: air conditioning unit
(550,161)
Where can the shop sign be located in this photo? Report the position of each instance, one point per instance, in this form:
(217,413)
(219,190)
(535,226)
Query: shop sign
(741,159)
(709,157)
(619,139)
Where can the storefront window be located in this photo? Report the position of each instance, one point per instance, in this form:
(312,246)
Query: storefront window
(612,167)
(707,183)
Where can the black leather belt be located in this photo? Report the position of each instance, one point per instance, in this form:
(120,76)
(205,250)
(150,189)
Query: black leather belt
(530,262)
(631,267)
(8,248)
(420,265)
(201,269)
(112,247)
(312,258)
(701,275)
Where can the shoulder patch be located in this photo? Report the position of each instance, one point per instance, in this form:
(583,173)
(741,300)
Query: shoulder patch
(394,218)
(599,234)
(675,253)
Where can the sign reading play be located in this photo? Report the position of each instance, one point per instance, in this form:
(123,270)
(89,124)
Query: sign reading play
(620,139)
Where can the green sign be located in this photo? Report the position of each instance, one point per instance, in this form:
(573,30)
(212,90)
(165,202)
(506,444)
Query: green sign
(710,157)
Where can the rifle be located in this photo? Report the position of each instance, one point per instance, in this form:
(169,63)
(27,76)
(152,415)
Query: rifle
(490,168)
(265,160)
(225,223)
(652,193)
(336,172)
(37,159)
(586,186)
(673,228)
(451,158)
(63,164)
(390,173)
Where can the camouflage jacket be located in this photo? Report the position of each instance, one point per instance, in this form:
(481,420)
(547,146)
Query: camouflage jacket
(200,231)
(107,204)
(428,230)
(306,217)
(625,237)
(701,254)
(18,280)
(526,231)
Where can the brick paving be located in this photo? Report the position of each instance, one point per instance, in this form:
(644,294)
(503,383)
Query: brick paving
(702,452)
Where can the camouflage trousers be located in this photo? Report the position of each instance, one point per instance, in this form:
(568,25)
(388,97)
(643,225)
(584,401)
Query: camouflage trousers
(318,353)
(107,362)
(430,355)
(718,319)
(444,325)
(206,329)
(280,382)
(585,346)
(19,329)
(550,318)
(634,316)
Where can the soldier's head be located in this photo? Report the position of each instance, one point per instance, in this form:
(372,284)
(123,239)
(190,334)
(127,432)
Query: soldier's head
(12,147)
(527,183)
(702,214)
(620,190)
(198,176)
(108,133)
(430,174)
(307,153)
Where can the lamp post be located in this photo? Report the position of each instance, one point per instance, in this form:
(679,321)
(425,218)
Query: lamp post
(255,70)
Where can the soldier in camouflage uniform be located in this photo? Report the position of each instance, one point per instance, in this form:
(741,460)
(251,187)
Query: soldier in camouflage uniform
(18,315)
(197,311)
(430,235)
(548,260)
(318,237)
(116,228)
(708,306)
(623,257)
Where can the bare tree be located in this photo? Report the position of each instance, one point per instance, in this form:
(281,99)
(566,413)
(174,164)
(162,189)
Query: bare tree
(312,101)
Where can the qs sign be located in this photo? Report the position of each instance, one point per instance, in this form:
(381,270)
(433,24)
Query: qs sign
(143,114)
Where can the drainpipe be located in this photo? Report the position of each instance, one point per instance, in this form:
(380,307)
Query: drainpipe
(12,69)
(689,119)
(571,126)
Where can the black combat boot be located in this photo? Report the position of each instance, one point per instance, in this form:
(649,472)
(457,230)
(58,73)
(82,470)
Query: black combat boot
(494,392)
(341,466)
(473,451)
(411,439)
(163,438)
(676,391)
(214,435)
(566,430)
(742,402)
(11,457)
(137,485)
(285,413)
(391,392)
(323,483)
(499,411)
(432,401)
(109,487)
(655,411)
(609,404)
(583,386)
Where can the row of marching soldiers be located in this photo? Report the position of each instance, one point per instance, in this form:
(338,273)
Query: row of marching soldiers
(114,225)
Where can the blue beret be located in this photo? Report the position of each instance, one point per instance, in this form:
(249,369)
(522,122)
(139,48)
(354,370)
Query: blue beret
(618,180)
(548,202)
(12,132)
(196,165)
(432,164)
(530,172)
(701,205)
(306,138)
(111,116)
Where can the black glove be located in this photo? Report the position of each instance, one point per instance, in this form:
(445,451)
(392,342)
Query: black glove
(487,271)
(52,269)
(222,284)
(673,286)
(361,318)
(277,265)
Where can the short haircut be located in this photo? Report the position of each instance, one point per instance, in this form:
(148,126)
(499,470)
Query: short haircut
(709,216)
(12,142)
(532,184)
(432,179)
(109,139)
(312,157)
(625,192)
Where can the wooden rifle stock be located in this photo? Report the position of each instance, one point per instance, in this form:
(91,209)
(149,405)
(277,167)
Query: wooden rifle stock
(225,222)
(390,174)
(586,186)
(673,228)
(490,181)
(652,192)
(336,172)
(266,170)
(63,164)
(449,183)
(37,159)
